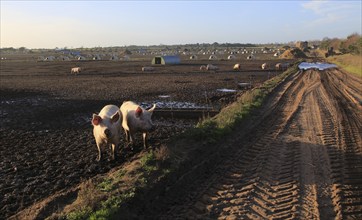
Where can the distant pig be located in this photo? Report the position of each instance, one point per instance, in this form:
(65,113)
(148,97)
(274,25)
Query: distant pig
(107,129)
(136,119)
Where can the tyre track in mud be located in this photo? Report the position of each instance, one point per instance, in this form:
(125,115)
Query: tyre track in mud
(302,161)
(344,134)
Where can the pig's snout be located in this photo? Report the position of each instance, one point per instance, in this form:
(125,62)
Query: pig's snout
(108,133)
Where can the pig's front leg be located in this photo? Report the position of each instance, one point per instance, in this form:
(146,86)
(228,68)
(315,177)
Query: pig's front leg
(127,135)
(114,150)
(145,143)
(99,146)
(131,138)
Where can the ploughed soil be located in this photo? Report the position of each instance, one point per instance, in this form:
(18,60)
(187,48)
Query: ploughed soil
(298,157)
(46,140)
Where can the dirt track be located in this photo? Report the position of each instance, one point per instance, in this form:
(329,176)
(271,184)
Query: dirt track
(303,159)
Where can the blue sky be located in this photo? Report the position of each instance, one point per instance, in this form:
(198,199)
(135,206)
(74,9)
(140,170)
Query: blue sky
(50,24)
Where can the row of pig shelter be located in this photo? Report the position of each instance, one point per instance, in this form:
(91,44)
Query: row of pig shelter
(165,60)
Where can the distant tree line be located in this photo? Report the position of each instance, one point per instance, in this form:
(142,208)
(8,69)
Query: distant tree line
(352,44)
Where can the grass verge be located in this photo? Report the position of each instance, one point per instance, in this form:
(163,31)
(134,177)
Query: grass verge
(348,62)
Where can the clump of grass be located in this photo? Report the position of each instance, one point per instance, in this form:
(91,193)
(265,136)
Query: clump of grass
(88,195)
(148,162)
(162,153)
(81,214)
(106,185)
(110,183)
(111,205)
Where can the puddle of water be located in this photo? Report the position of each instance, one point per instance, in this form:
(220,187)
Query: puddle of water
(319,66)
(164,96)
(173,105)
(226,90)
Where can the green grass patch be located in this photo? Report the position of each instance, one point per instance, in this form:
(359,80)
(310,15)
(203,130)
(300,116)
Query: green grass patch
(79,214)
(111,206)
(348,62)
(110,183)
(148,162)
(107,185)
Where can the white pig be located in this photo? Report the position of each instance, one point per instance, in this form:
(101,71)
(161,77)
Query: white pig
(107,129)
(136,119)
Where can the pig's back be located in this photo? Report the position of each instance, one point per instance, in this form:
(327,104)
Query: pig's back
(108,111)
(128,106)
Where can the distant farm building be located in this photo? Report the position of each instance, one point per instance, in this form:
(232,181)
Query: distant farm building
(165,60)
(231,57)
(193,57)
(212,57)
(50,58)
(114,58)
(64,58)
(96,57)
(81,58)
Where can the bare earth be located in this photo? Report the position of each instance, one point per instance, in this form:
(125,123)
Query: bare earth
(300,158)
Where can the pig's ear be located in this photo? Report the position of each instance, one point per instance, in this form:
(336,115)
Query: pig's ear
(152,109)
(96,119)
(115,117)
(138,112)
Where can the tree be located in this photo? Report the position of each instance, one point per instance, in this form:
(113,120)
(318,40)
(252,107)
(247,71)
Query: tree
(352,44)
(325,43)
(22,49)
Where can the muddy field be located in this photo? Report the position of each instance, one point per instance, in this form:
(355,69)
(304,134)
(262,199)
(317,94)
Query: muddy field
(45,131)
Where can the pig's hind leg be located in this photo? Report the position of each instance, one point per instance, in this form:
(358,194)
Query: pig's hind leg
(114,150)
(99,146)
(129,138)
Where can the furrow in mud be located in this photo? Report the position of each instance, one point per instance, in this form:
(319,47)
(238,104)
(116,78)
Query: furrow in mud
(348,133)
